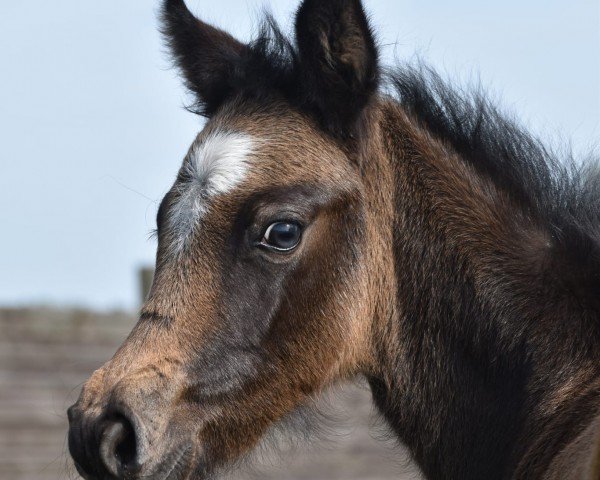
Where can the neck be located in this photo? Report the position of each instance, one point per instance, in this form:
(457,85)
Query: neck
(476,373)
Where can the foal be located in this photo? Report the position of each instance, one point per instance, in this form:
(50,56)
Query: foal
(320,229)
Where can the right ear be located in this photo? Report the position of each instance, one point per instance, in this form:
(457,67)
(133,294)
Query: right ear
(338,61)
(208,57)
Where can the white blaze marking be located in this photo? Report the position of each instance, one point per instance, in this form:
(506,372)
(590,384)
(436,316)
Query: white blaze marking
(214,166)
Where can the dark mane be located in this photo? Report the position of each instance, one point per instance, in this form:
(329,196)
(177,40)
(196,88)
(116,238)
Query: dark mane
(498,146)
(563,196)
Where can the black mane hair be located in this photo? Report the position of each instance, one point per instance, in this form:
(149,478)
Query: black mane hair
(498,146)
(268,65)
(561,195)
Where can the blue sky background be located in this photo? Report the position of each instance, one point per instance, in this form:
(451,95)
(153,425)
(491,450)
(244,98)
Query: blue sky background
(92,128)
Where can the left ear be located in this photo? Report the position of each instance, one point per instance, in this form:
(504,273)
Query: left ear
(338,61)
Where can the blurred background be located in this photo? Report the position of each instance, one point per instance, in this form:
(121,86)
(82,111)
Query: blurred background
(92,131)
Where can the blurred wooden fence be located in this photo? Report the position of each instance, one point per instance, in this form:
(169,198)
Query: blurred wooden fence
(46,354)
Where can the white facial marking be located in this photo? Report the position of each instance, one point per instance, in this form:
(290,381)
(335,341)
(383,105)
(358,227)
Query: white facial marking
(214,166)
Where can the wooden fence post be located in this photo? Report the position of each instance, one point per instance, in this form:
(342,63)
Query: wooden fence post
(145,276)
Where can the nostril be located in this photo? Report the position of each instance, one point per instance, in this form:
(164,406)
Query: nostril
(118,447)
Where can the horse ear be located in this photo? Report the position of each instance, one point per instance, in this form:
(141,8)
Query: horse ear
(338,61)
(207,56)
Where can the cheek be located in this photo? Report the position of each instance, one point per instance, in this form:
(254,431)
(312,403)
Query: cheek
(250,297)
(253,291)
(268,311)
(323,282)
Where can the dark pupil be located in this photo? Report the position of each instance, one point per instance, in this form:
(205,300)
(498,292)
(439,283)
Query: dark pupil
(284,235)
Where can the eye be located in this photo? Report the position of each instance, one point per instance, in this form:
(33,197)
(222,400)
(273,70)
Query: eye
(282,236)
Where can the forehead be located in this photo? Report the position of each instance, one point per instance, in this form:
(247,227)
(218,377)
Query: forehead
(252,148)
(248,151)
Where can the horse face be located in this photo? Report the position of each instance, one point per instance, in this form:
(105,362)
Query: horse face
(259,296)
(250,311)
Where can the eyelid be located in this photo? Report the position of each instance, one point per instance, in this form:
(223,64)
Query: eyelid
(286,216)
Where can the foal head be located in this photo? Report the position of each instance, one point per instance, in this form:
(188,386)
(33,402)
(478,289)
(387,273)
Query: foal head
(260,292)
